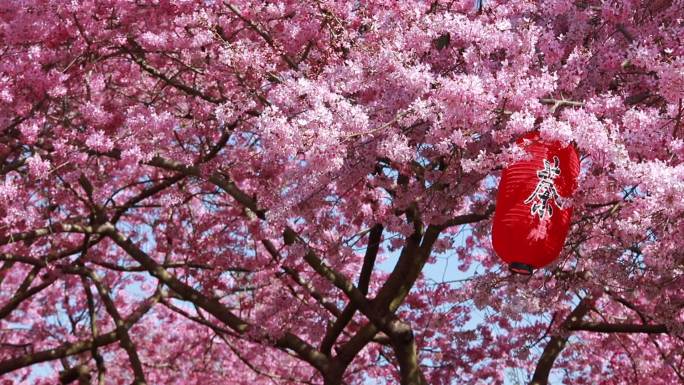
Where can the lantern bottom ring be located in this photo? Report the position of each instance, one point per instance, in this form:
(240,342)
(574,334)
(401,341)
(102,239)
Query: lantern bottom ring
(520,268)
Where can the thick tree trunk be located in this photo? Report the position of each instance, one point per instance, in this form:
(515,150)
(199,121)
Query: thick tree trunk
(404,345)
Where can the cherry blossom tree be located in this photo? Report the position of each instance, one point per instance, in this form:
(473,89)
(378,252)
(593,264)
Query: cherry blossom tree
(202,192)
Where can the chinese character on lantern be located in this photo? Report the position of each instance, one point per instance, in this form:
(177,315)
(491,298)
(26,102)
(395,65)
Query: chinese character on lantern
(545,191)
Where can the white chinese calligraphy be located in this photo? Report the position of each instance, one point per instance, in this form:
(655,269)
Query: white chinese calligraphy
(545,192)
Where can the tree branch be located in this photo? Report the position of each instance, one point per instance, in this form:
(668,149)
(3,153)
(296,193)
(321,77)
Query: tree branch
(264,35)
(605,327)
(336,329)
(24,293)
(44,231)
(468,218)
(72,348)
(212,306)
(121,331)
(219,180)
(404,345)
(99,361)
(396,288)
(413,257)
(557,343)
(331,307)
(138,55)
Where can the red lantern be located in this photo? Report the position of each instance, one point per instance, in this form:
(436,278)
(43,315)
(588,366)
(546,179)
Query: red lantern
(532,217)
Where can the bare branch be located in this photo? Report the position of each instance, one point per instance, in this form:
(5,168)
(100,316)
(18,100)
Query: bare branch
(24,293)
(138,55)
(468,218)
(211,305)
(328,305)
(605,327)
(45,231)
(557,343)
(336,329)
(219,180)
(121,331)
(99,361)
(72,348)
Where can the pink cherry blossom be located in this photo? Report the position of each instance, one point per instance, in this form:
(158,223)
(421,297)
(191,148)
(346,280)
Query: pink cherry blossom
(291,192)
